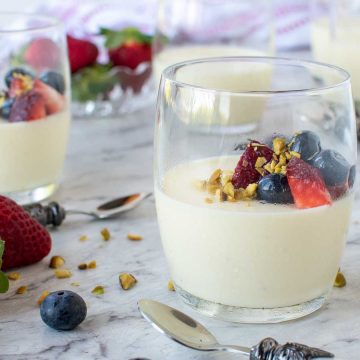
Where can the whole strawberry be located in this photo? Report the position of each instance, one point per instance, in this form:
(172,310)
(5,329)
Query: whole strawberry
(26,241)
(128,47)
(42,53)
(82,53)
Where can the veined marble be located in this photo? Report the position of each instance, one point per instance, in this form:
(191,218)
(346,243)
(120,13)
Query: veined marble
(114,157)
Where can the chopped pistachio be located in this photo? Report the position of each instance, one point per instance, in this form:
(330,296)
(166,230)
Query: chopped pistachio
(261,171)
(209,201)
(251,189)
(226,177)
(340,280)
(92,264)
(127,281)
(296,154)
(215,176)
(231,199)
(105,234)
(273,165)
(171,286)
(13,276)
(98,290)
(268,168)
(282,160)
(279,145)
(134,237)
(21,290)
(220,195)
(82,266)
(260,161)
(229,189)
(75,283)
(287,155)
(83,238)
(277,170)
(283,170)
(42,297)
(200,185)
(211,188)
(56,262)
(62,273)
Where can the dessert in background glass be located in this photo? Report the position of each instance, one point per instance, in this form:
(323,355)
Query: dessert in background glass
(253,225)
(34,105)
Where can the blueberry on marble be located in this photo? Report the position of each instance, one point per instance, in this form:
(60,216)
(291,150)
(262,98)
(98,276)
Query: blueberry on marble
(274,188)
(306,143)
(54,79)
(9,76)
(352,176)
(63,310)
(333,166)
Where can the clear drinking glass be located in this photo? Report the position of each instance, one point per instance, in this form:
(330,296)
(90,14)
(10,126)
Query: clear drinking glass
(34,105)
(263,243)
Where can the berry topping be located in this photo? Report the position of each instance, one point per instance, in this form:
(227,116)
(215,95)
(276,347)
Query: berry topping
(54,79)
(274,188)
(306,184)
(306,143)
(26,241)
(54,101)
(14,72)
(63,310)
(5,105)
(42,53)
(333,167)
(82,53)
(20,84)
(27,107)
(250,166)
(352,176)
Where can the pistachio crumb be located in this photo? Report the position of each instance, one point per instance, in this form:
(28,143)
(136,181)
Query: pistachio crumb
(211,188)
(75,284)
(105,234)
(279,145)
(127,281)
(229,189)
(251,189)
(42,297)
(56,262)
(220,195)
(83,238)
(268,168)
(340,280)
(13,276)
(98,290)
(62,273)
(21,290)
(296,154)
(260,161)
(82,266)
(171,286)
(134,237)
(92,264)
(215,176)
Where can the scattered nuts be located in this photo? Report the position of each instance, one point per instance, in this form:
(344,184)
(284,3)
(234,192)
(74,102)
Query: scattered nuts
(220,195)
(83,238)
(62,273)
(21,290)
(42,297)
(340,280)
(105,234)
(134,237)
(82,266)
(75,284)
(13,276)
(296,154)
(127,281)
(229,189)
(260,161)
(279,145)
(215,176)
(92,264)
(171,286)
(56,262)
(251,189)
(98,290)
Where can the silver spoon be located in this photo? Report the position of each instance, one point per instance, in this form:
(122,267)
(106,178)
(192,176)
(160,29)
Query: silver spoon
(187,331)
(54,213)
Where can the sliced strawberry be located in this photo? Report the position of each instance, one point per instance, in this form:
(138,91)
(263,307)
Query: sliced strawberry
(306,184)
(54,101)
(245,171)
(27,107)
(42,53)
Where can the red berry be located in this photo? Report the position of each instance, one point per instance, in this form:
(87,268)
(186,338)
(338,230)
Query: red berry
(306,184)
(42,53)
(27,107)
(130,54)
(54,101)
(26,241)
(245,171)
(82,53)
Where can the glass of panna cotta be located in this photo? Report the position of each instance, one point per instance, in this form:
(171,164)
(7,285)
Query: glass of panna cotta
(34,105)
(254,225)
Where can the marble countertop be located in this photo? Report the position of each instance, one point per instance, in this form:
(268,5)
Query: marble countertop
(114,157)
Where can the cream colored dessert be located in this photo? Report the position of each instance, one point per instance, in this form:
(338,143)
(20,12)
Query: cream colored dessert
(247,254)
(32,152)
(339,46)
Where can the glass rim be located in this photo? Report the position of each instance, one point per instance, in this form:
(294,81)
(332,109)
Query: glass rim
(169,71)
(52,22)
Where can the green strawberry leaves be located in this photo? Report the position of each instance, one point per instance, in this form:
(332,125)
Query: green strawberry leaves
(114,39)
(4,281)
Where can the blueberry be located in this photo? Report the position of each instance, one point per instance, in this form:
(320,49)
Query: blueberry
(274,188)
(333,167)
(352,176)
(6,107)
(54,79)
(17,70)
(306,143)
(63,310)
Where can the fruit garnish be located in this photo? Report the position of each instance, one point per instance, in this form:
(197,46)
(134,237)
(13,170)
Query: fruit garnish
(63,310)
(82,53)
(27,107)
(128,47)
(53,79)
(246,171)
(274,188)
(26,241)
(306,184)
(15,72)
(127,281)
(42,53)
(6,105)
(306,143)
(352,176)
(54,101)
(20,84)
(4,281)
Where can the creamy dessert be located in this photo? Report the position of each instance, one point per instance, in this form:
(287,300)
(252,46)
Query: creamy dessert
(268,234)
(34,126)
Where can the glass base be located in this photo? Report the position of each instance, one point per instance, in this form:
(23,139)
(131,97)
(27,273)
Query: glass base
(248,315)
(34,195)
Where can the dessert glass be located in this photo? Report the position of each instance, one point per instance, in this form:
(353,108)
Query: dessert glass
(242,254)
(34,105)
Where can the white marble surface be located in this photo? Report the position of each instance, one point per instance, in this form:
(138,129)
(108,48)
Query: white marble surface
(114,157)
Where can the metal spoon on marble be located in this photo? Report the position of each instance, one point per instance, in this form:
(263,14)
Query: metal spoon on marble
(54,214)
(190,333)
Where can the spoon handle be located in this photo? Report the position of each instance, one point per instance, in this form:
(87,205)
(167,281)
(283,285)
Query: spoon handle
(51,214)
